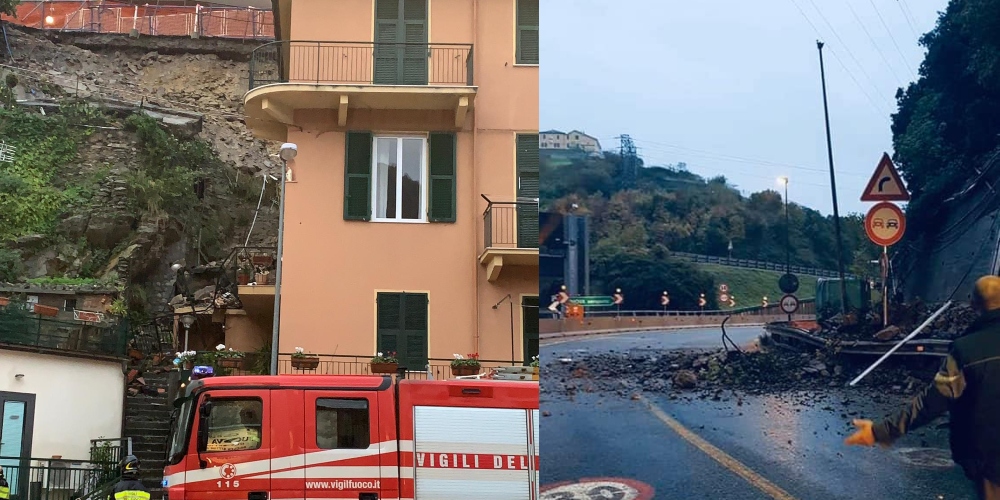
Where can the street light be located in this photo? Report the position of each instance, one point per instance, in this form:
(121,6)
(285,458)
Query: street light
(187,320)
(788,246)
(288,152)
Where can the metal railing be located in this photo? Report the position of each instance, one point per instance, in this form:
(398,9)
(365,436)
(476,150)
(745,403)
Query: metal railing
(510,224)
(155,20)
(110,451)
(253,265)
(18,327)
(361,63)
(756,264)
(806,306)
(342,364)
(52,479)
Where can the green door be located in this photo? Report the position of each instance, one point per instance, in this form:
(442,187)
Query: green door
(402,328)
(527,190)
(529,327)
(401,49)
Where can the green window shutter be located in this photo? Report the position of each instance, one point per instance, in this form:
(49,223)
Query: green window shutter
(527,31)
(416,51)
(443,169)
(527,189)
(390,320)
(529,327)
(358,176)
(386,35)
(414,332)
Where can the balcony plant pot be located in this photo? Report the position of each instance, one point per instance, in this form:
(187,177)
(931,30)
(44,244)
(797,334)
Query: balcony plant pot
(305,363)
(242,279)
(230,362)
(464,370)
(262,279)
(384,367)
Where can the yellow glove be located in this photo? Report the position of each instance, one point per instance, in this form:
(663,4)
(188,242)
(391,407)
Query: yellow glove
(864,436)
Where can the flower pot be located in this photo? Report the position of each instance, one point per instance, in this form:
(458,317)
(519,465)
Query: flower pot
(262,279)
(464,370)
(384,367)
(242,279)
(230,362)
(305,363)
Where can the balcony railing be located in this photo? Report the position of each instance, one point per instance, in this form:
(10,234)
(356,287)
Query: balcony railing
(255,265)
(19,327)
(361,63)
(511,224)
(51,479)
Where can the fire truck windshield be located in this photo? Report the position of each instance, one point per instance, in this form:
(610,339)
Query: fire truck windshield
(180,431)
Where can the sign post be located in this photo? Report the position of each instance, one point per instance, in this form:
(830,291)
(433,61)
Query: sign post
(885,222)
(702,302)
(665,300)
(618,299)
(789,304)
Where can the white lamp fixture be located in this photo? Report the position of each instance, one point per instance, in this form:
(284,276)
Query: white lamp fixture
(288,151)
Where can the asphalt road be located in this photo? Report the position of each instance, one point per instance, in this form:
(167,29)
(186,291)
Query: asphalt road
(781,446)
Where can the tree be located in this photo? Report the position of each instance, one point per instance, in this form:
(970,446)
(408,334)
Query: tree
(9,7)
(644,278)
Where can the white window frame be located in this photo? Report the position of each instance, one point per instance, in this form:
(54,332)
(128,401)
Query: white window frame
(424,178)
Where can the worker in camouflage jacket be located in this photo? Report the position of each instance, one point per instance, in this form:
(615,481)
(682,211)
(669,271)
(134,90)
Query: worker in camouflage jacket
(967,386)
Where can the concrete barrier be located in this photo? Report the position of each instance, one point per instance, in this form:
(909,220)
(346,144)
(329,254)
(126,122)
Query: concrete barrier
(558,328)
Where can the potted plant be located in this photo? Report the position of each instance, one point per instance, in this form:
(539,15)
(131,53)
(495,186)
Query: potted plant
(244,273)
(463,366)
(385,363)
(186,359)
(303,361)
(261,275)
(228,357)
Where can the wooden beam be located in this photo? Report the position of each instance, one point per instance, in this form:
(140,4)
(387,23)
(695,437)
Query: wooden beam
(461,111)
(280,112)
(342,111)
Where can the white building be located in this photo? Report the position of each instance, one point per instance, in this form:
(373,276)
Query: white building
(574,139)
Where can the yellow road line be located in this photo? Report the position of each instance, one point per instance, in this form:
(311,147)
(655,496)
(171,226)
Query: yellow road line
(720,456)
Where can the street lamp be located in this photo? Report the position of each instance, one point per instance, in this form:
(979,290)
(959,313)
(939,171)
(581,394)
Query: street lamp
(788,246)
(187,320)
(288,152)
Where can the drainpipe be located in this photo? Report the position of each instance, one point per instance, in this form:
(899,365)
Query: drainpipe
(475,185)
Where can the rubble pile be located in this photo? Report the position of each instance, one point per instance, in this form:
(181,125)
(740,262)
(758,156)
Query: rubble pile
(708,372)
(905,318)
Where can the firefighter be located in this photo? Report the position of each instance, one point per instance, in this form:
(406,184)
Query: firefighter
(129,488)
(967,386)
(4,487)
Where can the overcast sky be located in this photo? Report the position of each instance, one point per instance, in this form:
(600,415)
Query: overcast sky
(733,87)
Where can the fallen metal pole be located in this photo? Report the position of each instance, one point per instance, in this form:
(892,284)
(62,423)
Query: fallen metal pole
(901,342)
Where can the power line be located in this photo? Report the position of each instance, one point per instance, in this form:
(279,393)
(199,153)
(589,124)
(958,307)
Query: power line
(878,49)
(848,49)
(891,37)
(905,10)
(875,106)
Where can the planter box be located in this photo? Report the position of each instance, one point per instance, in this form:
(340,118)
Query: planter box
(262,279)
(306,363)
(262,260)
(230,362)
(384,367)
(463,371)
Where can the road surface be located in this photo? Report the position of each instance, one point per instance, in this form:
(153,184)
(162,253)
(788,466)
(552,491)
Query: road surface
(782,446)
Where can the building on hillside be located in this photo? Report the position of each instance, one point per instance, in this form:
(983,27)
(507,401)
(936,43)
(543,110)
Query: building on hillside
(61,384)
(411,208)
(574,139)
(564,254)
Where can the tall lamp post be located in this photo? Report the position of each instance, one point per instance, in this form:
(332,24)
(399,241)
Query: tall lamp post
(788,245)
(288,152)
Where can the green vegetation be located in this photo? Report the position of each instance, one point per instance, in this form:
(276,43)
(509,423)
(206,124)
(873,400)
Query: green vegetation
(946,126)
(634,228)
(70,281)
(749,286)
(11,267)
(9,7)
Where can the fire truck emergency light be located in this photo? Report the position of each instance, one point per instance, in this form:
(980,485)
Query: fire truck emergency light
(200,372)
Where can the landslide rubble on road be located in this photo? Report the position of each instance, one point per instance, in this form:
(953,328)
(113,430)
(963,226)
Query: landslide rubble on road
(903,320)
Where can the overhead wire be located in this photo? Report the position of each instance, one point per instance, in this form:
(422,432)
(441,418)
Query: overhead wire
(881,54)
(907,16)
(892,37)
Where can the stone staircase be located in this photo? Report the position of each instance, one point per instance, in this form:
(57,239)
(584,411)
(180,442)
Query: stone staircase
(147,422)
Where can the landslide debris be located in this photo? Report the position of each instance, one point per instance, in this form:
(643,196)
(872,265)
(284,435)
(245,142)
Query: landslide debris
(904,319)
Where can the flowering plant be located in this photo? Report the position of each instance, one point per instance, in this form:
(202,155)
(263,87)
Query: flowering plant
(470,360)
(389,357)
(222,352)
(534,361)
(301,353)
(186,356)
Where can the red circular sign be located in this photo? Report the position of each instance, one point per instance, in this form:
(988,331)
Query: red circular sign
(603,487)
(885,224)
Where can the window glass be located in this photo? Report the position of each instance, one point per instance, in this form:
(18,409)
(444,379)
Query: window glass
(412,161)
(385,178)
(235,424)
(398,178)
(342,423)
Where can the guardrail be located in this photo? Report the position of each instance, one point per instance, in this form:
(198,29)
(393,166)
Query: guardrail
(785,334)
(18,327)
(51,479)
(806,306)
(361,63)
(756,264)
(510,224)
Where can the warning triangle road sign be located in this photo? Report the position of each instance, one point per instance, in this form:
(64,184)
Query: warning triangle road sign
(885,184)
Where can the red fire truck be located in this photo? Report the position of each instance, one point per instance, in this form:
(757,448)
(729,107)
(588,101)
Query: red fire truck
(358,437)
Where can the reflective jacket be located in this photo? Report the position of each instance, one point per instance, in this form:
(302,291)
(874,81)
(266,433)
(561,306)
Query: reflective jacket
(129,489)
(967,386)
(4,489)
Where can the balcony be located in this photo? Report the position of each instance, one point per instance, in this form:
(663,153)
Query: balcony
(22,330)
(254,271)
(340,76)
(510,236)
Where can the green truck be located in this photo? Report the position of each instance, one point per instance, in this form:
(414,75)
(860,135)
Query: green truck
(859,296)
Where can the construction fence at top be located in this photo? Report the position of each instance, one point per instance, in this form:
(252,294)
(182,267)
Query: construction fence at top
(104,17)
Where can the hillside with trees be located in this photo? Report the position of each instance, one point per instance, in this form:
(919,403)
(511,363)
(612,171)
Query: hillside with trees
(634,228)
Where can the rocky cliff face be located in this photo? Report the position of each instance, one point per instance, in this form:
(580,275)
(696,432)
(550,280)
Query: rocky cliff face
(129,222)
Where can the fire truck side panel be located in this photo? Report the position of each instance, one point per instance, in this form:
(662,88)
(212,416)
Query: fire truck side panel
(344,445)
(288,459)
(468,439)
(235,464)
